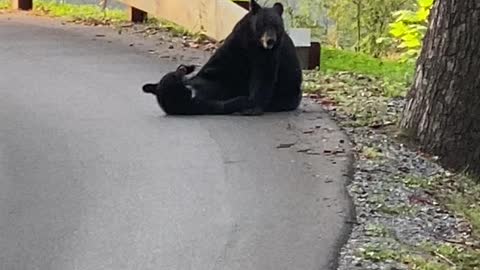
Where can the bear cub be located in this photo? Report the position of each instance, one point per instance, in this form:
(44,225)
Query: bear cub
(176,97)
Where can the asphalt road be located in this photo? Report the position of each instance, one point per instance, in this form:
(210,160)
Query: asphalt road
(94,176)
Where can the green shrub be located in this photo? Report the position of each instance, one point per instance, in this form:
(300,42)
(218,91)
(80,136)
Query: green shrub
(409,28)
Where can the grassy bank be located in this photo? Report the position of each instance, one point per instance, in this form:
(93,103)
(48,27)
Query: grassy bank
(359,85)
(86,13)
(4,4)
(334,60)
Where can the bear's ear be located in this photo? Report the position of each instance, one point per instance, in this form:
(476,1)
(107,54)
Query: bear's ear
(278,7)
(190,69)
(254,6)
(149,88)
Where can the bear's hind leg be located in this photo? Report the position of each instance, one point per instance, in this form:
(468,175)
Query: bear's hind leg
(280,104)
(229,106)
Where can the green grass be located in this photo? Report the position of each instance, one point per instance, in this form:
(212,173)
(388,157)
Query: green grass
(463,199)
(334,60)
(4,4)
(378,253)
(458,193)
(426,256)
(87,13)
(444,256)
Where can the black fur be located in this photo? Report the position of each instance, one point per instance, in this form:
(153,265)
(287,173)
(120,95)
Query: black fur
(174,97)
(271,77)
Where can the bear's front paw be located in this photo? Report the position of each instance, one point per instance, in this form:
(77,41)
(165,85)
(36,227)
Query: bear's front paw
(253,111)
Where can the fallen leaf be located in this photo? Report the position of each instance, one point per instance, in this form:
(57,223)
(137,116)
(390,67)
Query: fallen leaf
(285,145)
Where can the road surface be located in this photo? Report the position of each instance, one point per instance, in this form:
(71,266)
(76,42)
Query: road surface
(94,176)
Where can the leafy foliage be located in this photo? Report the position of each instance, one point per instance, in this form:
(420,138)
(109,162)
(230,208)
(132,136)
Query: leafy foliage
(340,23)
(379,28)
(349,23)
(409,28)
(376,15)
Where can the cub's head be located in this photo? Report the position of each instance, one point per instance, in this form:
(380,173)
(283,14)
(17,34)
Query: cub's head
(171,91)
(170,82)
(267,24)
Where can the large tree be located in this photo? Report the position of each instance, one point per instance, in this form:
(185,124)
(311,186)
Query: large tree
(443,105)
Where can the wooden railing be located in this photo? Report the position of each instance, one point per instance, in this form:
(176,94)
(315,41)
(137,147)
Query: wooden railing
(22,4)
(214,18)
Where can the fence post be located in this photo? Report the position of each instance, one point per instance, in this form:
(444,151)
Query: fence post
(314,55)
(22,4)
(136,15)
(243,4)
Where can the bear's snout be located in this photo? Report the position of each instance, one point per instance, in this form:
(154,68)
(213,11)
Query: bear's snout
(268,39)
(270,43)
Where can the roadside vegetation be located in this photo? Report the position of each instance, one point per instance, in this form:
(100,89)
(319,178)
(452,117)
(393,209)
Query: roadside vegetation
(365,94)
(89,14)
(93,14)
(336,60)
(367,103)
(363,86)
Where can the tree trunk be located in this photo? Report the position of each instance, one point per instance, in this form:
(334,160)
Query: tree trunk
(103,4)
(443,106)
(359,24)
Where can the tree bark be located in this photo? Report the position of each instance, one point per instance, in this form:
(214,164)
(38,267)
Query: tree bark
(443,105)
(359,23)
(103,4)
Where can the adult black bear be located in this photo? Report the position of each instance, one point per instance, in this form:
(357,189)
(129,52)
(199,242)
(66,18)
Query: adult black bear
(258,59)
(175,97)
